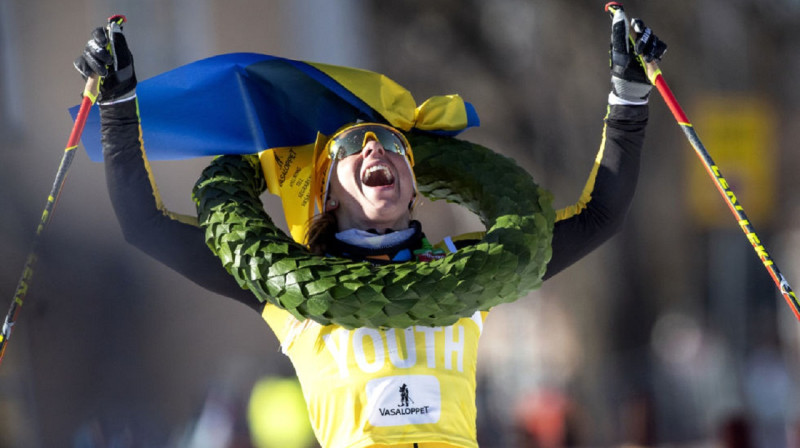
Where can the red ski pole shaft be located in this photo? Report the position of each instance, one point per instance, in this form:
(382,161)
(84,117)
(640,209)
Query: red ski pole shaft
(656,77)
(89,97)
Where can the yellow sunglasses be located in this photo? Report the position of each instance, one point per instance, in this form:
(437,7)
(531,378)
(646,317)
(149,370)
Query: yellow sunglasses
(351,141)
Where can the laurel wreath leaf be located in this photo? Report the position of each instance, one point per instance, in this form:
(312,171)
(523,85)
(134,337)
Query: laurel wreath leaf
(505,265)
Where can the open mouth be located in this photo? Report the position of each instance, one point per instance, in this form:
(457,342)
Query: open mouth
(377,176)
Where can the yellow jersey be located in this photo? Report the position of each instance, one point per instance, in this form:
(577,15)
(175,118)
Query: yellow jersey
(412,387)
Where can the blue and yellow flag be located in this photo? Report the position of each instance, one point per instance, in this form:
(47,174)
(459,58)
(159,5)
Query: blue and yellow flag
(248,103)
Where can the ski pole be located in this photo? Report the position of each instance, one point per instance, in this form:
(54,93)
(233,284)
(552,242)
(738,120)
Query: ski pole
(657,79)
(89,96)
(90,93)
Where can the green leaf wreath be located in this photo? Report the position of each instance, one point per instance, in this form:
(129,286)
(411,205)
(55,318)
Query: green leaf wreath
(505,265)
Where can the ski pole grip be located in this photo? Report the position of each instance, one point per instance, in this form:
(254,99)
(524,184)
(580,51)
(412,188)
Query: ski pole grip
(114,26)
(613,7)
(117,19)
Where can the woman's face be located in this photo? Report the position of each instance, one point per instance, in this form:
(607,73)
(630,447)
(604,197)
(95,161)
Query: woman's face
(373,189)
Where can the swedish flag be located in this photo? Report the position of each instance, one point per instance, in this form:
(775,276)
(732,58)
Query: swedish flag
(248,103)
(244,103)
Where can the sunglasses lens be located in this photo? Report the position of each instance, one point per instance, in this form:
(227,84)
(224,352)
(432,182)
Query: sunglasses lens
(351,141)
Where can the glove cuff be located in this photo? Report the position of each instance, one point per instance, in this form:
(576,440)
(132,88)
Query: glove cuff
(633,92)
(614,100)
(121,99)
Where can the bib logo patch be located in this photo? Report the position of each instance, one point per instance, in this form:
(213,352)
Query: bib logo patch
(404,400)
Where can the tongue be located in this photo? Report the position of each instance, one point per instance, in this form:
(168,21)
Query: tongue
(378,178)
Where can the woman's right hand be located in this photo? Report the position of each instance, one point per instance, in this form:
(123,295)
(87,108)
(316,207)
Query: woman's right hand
(113,65)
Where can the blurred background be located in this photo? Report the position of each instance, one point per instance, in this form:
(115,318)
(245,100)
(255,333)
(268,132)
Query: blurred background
(672,334)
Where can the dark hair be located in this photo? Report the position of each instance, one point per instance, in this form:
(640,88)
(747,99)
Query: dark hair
(321,231)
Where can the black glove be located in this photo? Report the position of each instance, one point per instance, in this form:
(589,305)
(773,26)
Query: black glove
(115,68)
(629,81)
(648,45)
